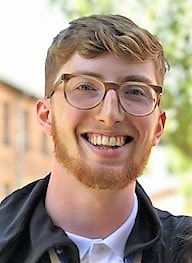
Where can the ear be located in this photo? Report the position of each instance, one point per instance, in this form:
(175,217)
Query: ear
(159,128)
(44,115)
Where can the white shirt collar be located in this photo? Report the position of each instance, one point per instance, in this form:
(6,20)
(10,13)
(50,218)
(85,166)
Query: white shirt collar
(116,241)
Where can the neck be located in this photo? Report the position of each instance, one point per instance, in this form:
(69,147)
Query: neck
(84,211)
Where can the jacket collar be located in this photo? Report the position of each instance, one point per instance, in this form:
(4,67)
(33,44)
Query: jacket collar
(147,229)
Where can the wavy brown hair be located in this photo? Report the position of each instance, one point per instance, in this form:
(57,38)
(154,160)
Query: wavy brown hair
(95,35)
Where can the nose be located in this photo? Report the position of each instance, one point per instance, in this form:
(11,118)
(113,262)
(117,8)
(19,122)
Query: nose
(110,111)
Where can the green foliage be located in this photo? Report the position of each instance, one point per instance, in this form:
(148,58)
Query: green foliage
(171,21)
(173,27)
(177,165)
(76,8)
(186,186)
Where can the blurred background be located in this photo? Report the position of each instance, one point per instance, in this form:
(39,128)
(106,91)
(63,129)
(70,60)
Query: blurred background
(27,29)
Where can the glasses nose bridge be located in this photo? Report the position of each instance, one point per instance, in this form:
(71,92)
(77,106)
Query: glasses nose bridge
(110,110)
(111,86)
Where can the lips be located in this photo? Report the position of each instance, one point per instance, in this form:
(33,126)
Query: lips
(107,141)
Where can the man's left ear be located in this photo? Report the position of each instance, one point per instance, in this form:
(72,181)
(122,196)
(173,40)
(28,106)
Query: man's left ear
(160,127)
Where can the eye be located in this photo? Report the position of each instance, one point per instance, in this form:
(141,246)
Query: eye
(136,91)
(85,87)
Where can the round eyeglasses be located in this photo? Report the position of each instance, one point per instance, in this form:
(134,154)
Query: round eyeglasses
(86,92)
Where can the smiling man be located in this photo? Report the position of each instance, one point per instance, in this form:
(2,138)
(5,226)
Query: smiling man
(104,78)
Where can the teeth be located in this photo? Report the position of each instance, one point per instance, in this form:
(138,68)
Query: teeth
(99,140)
(112,141)
(93,140)
(118,141)
(106,140)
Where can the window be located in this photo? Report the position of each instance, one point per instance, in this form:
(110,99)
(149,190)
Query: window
(22,134)
(6,123)
(25,130)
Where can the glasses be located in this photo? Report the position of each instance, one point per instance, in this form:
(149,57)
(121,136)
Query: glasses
(86,92)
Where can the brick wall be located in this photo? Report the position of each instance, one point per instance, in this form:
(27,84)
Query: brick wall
(25,152)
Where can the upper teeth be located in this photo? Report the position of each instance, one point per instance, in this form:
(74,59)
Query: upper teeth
(106,140)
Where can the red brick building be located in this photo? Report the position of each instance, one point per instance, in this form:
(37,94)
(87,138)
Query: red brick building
(25,152)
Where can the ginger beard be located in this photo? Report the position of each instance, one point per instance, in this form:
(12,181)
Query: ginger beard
(97,177)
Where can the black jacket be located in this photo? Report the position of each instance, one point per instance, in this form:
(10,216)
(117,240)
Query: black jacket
(27,232)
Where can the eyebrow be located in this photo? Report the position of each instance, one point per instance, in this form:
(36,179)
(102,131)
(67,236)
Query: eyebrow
(138,78)
(133,77)
(90,73)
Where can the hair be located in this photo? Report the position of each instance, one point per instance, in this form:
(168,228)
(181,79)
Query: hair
(96,35)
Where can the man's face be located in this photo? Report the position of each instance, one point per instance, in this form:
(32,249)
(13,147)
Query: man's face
(76,131)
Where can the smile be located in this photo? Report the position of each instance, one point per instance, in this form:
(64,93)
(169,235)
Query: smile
(107,141)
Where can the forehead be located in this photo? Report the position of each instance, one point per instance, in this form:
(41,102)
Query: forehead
(109,67)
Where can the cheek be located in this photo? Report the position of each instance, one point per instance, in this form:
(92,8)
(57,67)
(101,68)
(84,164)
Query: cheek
(145,128)
(69,118)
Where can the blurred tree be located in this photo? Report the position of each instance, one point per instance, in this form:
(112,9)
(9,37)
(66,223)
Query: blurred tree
(171,21)
(172,24)
(76,8)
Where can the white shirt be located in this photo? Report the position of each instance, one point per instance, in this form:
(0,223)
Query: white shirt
(110,249)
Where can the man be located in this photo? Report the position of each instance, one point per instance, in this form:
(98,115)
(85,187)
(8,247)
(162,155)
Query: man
(104,78)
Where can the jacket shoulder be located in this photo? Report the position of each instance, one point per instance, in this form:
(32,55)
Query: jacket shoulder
(15,211)
(178,231)
(172,220)
(174,227)
(21,195)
